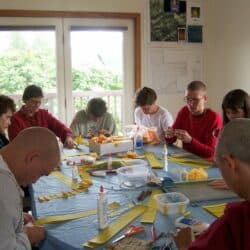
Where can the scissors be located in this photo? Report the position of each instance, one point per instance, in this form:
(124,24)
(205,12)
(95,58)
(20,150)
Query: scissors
(131,231)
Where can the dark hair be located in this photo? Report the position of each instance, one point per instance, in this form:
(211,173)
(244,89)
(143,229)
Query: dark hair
(145,96)
(96,107)
(6,103)
(234,100)
(32,91)
(196,85)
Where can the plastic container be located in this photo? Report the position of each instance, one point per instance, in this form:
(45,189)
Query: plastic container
(171,203)
(133,176)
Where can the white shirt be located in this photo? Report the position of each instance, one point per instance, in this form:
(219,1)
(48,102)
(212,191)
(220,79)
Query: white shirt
(11,212)
(161,120)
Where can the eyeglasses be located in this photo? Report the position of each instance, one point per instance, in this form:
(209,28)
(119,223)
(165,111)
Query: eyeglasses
(35,102)
(193,100)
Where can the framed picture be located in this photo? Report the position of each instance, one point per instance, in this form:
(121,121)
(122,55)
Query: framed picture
(181,34)
(194,12)
(165,18)
(194,34)
(174,6)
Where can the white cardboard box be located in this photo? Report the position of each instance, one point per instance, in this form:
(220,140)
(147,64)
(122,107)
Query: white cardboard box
(108,148)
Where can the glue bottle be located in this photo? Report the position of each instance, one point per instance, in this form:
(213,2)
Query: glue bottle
(74,172)
(109,167)
(102,209)
(165,157)
(138,139)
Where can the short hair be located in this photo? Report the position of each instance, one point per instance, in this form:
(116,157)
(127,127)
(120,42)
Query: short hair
(145,96)
(234,140)
(196,85)
(96,107)
(32,91)
(6,103)
(234,100)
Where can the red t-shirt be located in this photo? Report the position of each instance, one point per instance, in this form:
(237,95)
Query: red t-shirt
(204,130)
(229,232)
(42,118)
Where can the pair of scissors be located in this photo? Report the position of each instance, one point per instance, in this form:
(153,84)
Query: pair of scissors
(131,231)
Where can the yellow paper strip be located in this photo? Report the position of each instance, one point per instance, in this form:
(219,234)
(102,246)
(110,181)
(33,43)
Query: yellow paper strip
(216,210)
(115,227)
(66,155)
(151,210)
(63,178)
(65,217)
(153,162)
(196,163)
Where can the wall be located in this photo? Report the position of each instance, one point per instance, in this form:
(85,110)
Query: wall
(227,48)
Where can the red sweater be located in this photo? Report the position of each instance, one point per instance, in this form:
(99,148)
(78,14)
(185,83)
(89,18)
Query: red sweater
(229,232)
(204,130)
(42,118)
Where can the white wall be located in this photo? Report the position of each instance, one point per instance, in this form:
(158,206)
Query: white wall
(227,48)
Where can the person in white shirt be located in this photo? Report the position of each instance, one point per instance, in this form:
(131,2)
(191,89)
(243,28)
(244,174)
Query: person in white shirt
(149,114)
(33,153)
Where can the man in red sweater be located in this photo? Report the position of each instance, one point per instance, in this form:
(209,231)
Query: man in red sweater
(31,115)
(195,125)
(231,230)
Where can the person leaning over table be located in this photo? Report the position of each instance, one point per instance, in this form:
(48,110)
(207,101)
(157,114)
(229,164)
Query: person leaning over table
(195,125)
(34,152)
(235,104)
(95,119)
(231,230)
(31,115)
(149,114)
(7,108)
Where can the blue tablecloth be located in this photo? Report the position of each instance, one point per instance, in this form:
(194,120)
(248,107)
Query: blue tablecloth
(72,234)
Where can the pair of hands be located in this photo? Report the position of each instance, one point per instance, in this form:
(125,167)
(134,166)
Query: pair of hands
(180,134)
(219,184)
(96,133)
(183,238)
(35,234)
(69,142)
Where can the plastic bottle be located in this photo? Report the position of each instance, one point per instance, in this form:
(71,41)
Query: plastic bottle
(74,172)
(138,139)
(165,157)
(109,167)
(102,209)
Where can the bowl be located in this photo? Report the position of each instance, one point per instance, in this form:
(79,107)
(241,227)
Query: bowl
(133,176)
(171,203)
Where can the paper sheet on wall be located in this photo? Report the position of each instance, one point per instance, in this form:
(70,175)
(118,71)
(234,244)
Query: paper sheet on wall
(170,77)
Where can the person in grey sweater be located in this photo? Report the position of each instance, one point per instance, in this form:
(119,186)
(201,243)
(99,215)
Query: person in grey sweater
(33,153)
(94,120)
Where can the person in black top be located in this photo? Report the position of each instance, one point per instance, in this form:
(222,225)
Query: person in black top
(7,108)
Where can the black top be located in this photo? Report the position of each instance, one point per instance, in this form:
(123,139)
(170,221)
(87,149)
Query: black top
(3,140)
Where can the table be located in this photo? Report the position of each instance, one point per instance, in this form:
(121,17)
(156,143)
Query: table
(70,235)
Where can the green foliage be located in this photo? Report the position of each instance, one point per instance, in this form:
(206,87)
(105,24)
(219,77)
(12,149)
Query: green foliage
(95,78)
(164,25)
(22,65)
(19,68)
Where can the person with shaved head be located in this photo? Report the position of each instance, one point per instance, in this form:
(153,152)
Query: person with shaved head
(32,154)
(231,230)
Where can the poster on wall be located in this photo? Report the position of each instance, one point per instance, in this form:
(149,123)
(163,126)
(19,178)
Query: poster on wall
(165,18)
(194,12)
